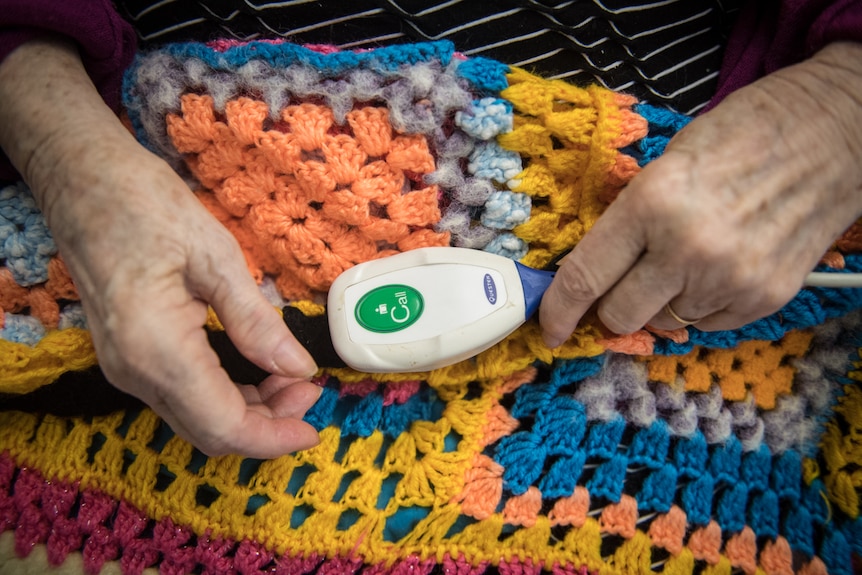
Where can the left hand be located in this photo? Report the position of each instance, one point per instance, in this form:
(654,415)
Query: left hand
(727,223)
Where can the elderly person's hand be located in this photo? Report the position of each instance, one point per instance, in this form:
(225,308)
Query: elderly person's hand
(147,258)
(740,207)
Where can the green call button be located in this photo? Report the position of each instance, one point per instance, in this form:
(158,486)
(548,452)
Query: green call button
(389,308)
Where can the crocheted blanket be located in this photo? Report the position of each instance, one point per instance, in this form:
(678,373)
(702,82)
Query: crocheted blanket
(670,452)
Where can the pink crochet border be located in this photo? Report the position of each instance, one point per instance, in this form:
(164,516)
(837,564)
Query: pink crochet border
(67,519)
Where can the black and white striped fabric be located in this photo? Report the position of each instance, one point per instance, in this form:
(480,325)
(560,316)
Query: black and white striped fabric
(666,52)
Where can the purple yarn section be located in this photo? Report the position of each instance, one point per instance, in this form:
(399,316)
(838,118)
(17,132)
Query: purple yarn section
(768,36)
(105,41)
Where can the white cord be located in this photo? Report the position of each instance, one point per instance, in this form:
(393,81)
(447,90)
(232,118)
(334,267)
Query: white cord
(833,280)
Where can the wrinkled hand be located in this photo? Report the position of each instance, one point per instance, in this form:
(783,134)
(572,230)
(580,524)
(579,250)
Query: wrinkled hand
(727,223)
(147,259)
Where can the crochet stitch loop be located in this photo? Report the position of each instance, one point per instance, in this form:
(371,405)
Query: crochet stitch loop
(394,479)
(701,456)
(578,146)
(309,198)
(570,138)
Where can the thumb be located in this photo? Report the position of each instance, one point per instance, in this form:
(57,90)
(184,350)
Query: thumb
(254,326)
(589,271)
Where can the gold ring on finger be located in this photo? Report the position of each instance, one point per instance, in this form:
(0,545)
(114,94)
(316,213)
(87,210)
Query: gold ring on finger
(677,317)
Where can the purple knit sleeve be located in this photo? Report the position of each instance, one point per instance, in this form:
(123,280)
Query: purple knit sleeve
(771,35)
(105,41)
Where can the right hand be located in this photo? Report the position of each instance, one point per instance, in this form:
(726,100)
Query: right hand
(147,259)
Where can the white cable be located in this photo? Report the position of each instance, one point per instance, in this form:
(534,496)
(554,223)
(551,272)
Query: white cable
(833,280)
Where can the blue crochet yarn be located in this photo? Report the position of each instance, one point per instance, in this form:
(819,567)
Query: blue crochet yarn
(486,118)
(719,482)
(811,306)
(798,529)
(814,502)
(609,479)
(357,415)
(658,491)
(22,329)
(756,467)
(322,412)
(663,124)
(364,417)
(853,531)
(505,210)
(385,59)
(566,372)
(697,500)
(424,406)
(562,477)
(507,245)
(522,457)
(835,553)
(561,424)
(485,74)
(26,244)
(787,475)
(650,445)
(72,315)
(488,160)
(691,454)
(724,461)
(530,399)
(763,514)
(604,437)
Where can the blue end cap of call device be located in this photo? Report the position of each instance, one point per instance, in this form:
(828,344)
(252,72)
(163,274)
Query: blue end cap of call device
(534,282)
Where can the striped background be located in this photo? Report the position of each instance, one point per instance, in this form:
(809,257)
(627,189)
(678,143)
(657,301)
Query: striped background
(666,52)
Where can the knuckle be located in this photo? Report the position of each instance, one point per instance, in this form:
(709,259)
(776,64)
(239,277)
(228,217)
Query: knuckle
(577,282)
(616,322)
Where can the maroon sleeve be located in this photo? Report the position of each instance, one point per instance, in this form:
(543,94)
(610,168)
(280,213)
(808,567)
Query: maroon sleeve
(773,34)
(106,42)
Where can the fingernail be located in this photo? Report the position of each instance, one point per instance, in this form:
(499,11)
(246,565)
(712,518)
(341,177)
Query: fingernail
(293,360)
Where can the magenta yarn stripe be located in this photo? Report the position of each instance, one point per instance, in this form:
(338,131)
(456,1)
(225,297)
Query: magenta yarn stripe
(67,519)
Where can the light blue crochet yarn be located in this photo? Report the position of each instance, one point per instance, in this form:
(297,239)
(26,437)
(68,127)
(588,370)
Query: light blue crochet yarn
(486,118)
(22,329)
(492,162)
(72,315)
(508,245)
(25,241)
(505,210)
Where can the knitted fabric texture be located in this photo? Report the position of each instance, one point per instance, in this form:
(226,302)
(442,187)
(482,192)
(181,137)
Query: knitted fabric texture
(672,452)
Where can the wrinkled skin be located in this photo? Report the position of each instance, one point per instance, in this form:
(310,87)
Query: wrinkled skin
(728,221)
(147,258)
(725,226)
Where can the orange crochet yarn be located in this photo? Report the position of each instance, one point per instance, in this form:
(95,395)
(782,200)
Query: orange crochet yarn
(40,299)
(306,197)
(757,366)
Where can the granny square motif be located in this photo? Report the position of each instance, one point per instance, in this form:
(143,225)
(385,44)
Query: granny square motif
(668,452)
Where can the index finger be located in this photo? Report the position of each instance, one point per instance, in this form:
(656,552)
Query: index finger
(228,425)
(206,408)
(605,253)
